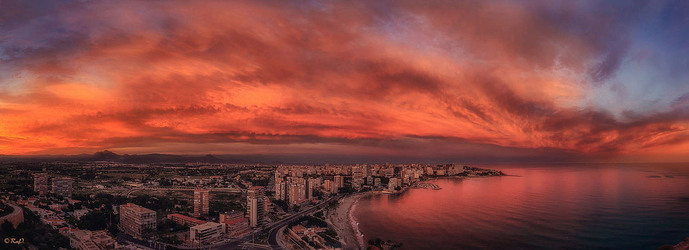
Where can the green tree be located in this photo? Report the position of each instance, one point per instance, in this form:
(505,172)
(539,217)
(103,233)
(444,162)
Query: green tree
(95,220)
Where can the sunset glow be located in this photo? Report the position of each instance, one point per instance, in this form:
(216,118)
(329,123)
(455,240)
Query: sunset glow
(454,80)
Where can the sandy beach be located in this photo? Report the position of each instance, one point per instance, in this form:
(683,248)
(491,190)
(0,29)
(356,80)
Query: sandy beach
(340,219)
(344,222)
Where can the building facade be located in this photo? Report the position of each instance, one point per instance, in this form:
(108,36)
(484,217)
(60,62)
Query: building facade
(185,220)
(281,190)
(255,206)
(294,193)
(394,183)
(201,200)
(137,221)
(313,183)
(40,183)
(330,186)
(279,183)
(236,225)
(206,233)
(82,240)
(339,181)
(62,186)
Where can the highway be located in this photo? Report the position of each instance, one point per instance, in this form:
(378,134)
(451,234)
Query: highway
(127,192)
(273,229)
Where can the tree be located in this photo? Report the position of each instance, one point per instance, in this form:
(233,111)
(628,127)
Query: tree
(38,235)
(318,193)
(282,204)
(168,226)
(8,229)
(113,229)
(220,206)
(95,220)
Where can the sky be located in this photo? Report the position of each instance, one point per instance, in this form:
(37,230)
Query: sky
(515,80)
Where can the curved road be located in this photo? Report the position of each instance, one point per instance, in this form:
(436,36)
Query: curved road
(273,229)
(16,210)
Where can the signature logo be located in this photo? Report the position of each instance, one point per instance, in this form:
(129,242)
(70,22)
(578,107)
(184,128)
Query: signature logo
(14,241)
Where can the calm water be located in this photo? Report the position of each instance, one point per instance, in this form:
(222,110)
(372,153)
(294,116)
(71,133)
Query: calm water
(546,207)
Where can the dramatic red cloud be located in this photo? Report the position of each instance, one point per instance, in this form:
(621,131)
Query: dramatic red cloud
(318,77)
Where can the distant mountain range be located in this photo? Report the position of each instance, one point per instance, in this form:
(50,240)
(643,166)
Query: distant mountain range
(127,158)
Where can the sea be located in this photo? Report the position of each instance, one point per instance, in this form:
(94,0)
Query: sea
(538,206)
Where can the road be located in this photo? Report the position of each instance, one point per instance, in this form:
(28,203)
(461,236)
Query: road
(272,229)
(128,192)
(15,217)
(275,228)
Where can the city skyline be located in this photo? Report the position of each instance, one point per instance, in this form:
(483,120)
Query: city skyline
(358,81)
(325,124)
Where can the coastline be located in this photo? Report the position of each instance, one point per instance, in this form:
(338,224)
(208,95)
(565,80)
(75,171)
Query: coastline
(344,222)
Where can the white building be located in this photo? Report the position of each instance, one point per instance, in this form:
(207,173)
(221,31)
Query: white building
(206,233)
(255,206)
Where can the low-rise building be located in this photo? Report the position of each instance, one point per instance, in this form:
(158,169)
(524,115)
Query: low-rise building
(206,233)
(82,240)
(185,220)
(91,240)
(103,239)
(236,225)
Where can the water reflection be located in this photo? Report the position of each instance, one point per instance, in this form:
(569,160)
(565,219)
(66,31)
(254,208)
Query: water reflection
(552,207)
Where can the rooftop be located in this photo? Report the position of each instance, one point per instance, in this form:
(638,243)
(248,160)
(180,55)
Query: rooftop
(186,218)
(207,225)
(137,208)
(235,221)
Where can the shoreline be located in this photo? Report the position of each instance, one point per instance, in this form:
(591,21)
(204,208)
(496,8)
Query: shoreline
(345,223)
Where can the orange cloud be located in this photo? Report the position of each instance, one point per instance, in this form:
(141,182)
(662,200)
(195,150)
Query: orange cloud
(359,77)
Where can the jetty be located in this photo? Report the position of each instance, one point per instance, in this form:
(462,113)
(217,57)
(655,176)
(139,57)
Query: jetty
(426,185)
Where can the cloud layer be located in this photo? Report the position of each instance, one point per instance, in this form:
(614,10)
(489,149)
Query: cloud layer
(392,78)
